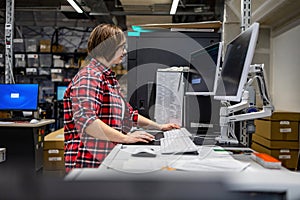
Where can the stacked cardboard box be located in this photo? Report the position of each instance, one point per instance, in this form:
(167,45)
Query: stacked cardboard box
(278,136)
(45,45)
(5,114)
(19,45)
(54,151)
(31,45)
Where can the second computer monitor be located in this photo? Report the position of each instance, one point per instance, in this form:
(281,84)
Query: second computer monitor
(204,68)
(19,97)
(60,91)
(235,68)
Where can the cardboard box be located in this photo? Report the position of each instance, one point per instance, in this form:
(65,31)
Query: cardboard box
(288,157)
(56,75)
(31,71)
(280,126)
(283,115)
(5,114)
(45,60)
(54,151)
(31,45)
(45,45)
(19,45)
(57,48)
(275,144)
(58,61)
(54,173)
(33,60)
(20,60)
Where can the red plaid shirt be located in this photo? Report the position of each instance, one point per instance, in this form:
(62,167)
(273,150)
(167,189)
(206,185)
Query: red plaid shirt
(94,93)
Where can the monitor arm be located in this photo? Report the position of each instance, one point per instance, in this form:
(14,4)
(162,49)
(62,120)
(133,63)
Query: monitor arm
(227,117)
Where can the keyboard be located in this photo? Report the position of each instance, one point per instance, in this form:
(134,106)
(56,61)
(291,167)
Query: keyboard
(177,133)
(178,142)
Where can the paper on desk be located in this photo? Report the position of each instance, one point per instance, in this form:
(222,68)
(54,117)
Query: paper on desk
(211,160)
(143,165)
(211,164)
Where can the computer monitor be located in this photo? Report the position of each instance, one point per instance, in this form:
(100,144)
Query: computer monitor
(60,91)
(236,64)
(204,69)
(19,97)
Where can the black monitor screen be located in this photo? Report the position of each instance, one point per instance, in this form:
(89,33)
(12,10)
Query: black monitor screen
(204,67)
(237,60)
(19,97)
(60,92)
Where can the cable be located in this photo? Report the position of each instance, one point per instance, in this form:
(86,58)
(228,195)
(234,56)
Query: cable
(262,87)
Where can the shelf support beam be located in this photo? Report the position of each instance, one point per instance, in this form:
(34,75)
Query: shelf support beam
(245,14)
(9,30)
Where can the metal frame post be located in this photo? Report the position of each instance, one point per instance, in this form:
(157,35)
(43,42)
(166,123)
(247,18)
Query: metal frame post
(9,30)
(245,23)
(245,14)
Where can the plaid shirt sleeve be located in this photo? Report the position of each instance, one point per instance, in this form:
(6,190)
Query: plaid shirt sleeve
(133,113)
(83,95)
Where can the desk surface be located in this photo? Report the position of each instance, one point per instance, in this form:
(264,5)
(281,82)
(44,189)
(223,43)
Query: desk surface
(119,163)
(42,122)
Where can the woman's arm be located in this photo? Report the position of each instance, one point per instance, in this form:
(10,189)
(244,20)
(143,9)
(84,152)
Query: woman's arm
(149,124)
(100,130)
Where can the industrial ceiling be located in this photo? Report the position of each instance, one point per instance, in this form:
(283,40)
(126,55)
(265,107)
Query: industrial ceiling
(35,18)
(59,13)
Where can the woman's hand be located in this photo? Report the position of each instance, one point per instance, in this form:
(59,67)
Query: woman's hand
(167,127)
(138,136)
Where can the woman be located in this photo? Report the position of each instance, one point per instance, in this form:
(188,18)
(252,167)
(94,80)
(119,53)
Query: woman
(96,116)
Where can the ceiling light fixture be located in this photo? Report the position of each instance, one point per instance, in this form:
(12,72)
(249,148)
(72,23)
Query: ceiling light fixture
(174,7)
(75,5)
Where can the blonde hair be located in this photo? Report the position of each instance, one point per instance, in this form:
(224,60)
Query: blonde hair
(105,40)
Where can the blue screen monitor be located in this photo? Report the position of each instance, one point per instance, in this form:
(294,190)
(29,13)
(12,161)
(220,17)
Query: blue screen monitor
(204,69)
(19,97)
(60,92)
(235,68)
